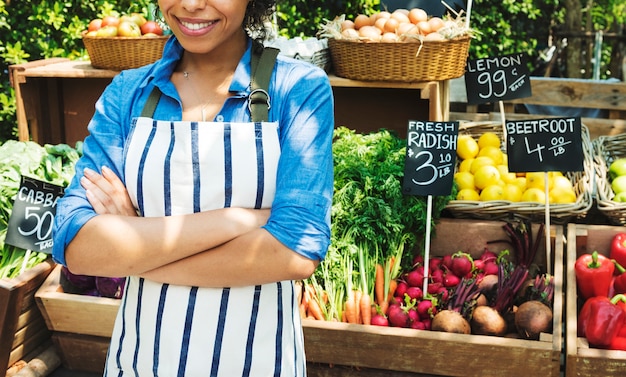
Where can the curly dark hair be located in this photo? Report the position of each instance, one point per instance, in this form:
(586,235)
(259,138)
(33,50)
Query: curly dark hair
(257,13)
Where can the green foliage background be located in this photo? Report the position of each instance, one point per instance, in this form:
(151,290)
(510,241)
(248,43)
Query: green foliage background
(38,30)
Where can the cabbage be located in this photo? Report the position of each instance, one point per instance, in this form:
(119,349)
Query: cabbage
(110,287)
(77,283)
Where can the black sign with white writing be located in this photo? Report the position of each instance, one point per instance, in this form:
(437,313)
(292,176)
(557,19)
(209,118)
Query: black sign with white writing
(537,145)
(497,79)
(30,224)
(430,158)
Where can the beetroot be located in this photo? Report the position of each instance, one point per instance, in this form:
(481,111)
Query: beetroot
(110,287)
(78,283)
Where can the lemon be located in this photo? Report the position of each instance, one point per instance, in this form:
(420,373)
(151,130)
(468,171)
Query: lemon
(489,139)
(560,195)
(486,175)
(520,182)
(512,192)
(537,180)
(481,161)
(467,194)
(506,176)
(562,182)
(534,194)
(466,147)
(466,164)
(492,192)
(493,152)
(464,180)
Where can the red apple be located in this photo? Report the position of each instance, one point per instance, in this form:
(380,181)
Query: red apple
(110,21)
(151,27)
(94,24)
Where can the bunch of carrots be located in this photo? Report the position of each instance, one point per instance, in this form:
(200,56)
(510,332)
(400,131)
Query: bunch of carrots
(363,297)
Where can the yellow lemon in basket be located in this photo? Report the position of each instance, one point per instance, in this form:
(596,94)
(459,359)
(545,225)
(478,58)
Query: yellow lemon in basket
(465,165)
(489,139)
(561,182)
(464,180)
(506,176)
(466,147)
(560,195)
(486,176)
(537,180)
(534,194)
(512,192)
(480,162)
(520,182)
(492,192)
(467,194)
(493,152)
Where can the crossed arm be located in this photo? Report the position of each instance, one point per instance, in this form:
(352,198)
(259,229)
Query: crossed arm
(218,248)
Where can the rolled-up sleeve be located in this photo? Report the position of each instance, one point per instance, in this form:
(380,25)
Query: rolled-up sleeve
(103,147)
(300,216)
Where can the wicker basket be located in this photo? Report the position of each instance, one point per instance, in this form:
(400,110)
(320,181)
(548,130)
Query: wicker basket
(399,61)
(507,210)
(119,53)
(606,149)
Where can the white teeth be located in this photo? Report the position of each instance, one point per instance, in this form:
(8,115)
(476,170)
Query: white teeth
(196,26)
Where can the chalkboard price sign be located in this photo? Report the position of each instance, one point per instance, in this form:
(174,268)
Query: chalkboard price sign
(430,158)
(541,145)
(497,79)
(32,216)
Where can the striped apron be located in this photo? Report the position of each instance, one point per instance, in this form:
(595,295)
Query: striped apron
(181,167)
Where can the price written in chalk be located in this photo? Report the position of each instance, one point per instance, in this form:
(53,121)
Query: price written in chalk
(497,79)
(32,216)
(544,145)
(430,157)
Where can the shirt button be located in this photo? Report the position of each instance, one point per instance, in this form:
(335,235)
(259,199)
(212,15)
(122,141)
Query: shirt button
(219,118)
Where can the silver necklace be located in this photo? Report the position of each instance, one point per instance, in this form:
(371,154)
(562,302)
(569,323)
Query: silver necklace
(203,105)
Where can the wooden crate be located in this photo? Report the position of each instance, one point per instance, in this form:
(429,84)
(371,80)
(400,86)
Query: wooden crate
(81,325)
(420,352)
(581,360)
(331,347)
(22,327)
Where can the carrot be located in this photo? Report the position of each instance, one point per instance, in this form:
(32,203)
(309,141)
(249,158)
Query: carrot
(393,285)
(350,308)
(366,308)
(314,307)
(357,300)
(379,284)
(303,310)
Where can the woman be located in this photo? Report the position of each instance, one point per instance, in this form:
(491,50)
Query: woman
(213,217)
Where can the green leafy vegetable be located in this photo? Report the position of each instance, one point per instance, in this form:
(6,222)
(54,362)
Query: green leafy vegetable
(50,163)
(372,220)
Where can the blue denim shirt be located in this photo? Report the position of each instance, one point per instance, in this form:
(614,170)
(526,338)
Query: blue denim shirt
(301,103)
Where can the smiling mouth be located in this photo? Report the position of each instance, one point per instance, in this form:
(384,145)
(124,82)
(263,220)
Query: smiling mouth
(196,25)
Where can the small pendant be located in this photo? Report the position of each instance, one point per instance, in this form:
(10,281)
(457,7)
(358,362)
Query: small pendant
(186,74)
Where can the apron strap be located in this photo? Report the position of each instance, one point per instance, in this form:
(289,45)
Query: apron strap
(262,64)
(151,103)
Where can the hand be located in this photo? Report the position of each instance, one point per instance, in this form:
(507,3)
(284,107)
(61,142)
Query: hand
(106,193)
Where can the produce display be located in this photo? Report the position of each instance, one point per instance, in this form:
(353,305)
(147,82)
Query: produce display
(483,175)
(601,288)
(401,25)
(127,25)
(50,163)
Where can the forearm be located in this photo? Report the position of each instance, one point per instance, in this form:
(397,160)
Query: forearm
(253,258)
(114,245)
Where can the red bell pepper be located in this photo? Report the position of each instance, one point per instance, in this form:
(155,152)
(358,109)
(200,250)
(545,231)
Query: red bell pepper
(619,342)
(600,320)
(618,248)
(594,275)
(619,282)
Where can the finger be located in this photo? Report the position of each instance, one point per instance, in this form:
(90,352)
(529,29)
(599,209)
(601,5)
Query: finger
(94,194)
(120,193)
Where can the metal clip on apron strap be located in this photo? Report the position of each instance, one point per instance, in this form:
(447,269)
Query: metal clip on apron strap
(259,100)
(261,70)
